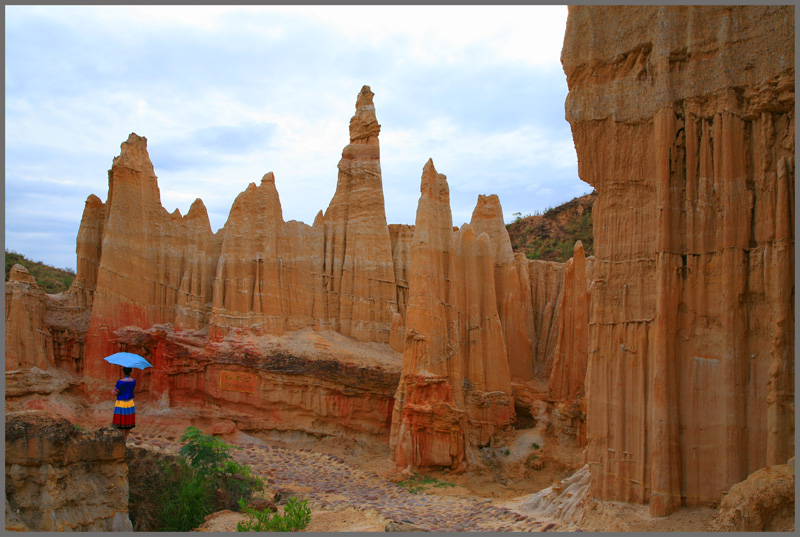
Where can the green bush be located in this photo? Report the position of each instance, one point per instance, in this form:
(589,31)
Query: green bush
(296,516)
(205,452)
(204,479)
(186,497)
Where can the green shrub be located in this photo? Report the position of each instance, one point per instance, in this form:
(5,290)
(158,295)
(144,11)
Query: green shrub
(204,451)
(204,479)
(296,516)
(186,497)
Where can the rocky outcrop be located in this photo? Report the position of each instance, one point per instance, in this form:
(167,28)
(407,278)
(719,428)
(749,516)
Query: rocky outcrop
(455,388)
(89,246)
(691,306)
(54,390)
(258,273)
(562,501)
(268,269)
(265,299)
(762,502)
(28,341)
(401,236)
(61,479)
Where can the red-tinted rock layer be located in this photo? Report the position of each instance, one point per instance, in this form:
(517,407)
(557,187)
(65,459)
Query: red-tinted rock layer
(683,121)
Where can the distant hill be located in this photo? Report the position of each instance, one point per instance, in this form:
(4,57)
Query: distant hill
(52,280)
(551,236)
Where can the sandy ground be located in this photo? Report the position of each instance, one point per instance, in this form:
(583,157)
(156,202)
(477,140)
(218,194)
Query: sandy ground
(322,520)
(505,485)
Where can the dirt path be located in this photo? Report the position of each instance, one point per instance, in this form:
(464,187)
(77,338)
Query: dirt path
(335,484)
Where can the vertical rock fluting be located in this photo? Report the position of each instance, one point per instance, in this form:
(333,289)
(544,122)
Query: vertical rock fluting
(455,388)
(691,324)
(571,355)
(547,290)
(144,266)
(268,269)
(89,246)
(145,253)
(401,236)
(513,290)
(358,269)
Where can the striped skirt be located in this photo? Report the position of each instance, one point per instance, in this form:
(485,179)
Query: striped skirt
(124,414)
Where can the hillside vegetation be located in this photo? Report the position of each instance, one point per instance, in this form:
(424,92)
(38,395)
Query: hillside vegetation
(52,280)
(551,236)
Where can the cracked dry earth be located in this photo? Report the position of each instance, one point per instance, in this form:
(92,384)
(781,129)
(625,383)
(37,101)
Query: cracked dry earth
(335,485)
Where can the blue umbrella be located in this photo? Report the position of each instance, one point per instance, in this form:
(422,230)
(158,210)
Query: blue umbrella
(127,359)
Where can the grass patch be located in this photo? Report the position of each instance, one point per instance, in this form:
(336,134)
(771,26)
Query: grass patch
(418,483)
(296,516)
(52,280)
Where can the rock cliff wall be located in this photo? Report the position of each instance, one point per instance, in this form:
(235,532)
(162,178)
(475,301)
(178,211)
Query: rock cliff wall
(683,121)
(61,479)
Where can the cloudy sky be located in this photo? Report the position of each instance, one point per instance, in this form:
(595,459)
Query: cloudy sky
(224,95)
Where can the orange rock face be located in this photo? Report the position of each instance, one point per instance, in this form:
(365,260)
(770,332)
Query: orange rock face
(455,389)
(268,269)
(258,273)
(691,340)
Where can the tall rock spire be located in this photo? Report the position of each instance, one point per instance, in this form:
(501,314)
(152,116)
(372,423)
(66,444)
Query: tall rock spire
(358,272)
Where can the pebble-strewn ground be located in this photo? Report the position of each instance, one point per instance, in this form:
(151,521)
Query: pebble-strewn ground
(333,483)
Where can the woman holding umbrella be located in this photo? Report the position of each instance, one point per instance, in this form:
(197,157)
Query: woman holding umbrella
(124,409)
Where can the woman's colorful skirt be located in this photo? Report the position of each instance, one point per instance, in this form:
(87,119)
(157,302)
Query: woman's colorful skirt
(124,414)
